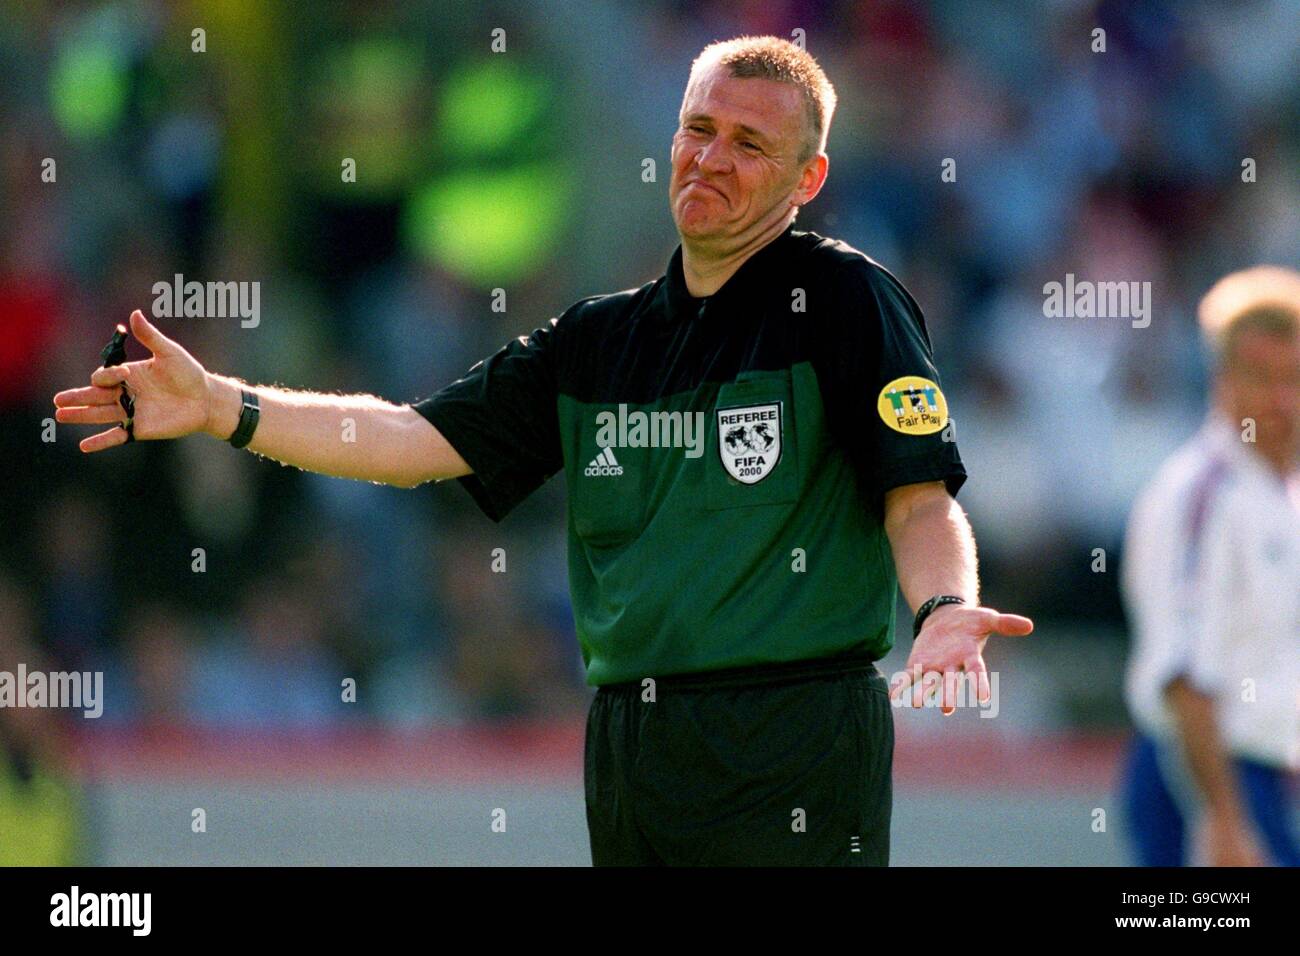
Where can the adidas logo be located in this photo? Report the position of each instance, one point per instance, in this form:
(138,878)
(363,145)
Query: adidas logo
(603,464)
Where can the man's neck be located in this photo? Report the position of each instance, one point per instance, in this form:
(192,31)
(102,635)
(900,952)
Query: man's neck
(706,267)
(1281,461)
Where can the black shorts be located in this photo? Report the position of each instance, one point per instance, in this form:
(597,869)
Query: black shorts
(786,765)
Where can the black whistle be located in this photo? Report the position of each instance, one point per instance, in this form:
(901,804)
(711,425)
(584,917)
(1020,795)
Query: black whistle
(114,353)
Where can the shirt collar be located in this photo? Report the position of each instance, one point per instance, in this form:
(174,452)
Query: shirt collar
(754,274)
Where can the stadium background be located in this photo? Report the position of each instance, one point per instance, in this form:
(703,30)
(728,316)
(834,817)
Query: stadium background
(523,171)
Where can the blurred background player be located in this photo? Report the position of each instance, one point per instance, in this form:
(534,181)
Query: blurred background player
(1212,582)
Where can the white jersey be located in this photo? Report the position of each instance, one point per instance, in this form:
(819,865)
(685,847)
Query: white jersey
(1211,579)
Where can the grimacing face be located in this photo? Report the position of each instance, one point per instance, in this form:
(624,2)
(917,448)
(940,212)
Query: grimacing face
(735,157)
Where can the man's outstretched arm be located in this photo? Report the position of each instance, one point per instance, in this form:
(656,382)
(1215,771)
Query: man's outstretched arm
(175,396)
(934,553)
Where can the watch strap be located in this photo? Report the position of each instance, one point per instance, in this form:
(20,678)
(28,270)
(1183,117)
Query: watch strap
(926,609)
(248,417)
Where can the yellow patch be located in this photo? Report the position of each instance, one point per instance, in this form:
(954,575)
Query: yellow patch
(913,405)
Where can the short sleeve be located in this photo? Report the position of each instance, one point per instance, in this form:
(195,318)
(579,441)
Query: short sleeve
(501,417)
(884,401)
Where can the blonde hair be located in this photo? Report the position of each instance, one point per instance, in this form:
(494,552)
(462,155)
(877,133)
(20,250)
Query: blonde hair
(772,58)
(1262,298)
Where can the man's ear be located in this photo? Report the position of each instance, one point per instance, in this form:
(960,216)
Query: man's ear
(812,179)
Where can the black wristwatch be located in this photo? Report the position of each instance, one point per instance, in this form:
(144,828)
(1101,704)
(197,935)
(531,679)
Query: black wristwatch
(248,416)
(925,610)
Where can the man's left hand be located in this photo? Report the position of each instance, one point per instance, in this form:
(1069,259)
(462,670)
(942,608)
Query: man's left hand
(951,642)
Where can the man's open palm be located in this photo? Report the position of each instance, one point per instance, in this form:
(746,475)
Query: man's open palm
(170,391)
(951,643)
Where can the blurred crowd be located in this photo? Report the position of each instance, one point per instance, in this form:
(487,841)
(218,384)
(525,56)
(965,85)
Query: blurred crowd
(215,588)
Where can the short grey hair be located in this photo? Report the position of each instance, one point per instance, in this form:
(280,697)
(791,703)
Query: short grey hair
(772,58)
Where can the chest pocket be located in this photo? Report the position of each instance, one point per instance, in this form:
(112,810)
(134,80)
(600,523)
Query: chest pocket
(607,496)
(752,452)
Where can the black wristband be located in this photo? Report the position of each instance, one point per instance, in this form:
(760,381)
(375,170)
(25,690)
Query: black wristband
(926,609)
(248,416)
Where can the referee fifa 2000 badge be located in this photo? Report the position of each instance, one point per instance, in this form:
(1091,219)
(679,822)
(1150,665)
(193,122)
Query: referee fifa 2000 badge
(913,405)
(749,441)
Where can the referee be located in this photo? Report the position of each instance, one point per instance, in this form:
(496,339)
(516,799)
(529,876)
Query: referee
(757,454)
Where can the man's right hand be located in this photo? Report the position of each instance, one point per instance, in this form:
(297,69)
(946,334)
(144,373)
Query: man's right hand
(349,436)
(173,394)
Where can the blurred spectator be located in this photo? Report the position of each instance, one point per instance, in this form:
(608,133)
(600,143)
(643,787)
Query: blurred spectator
(275,669)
